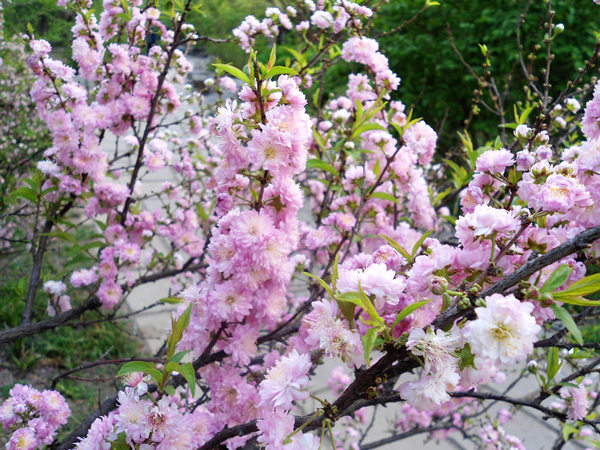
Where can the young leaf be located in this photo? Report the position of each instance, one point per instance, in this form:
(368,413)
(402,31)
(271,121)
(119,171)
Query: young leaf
(188,372)
(321,282)
(385,196)
(172,367)
(169,390)
(368,344)
(171,300)
(420,242)
(467,358)
(26,193)
(368,306)
(335,271)
(322,165)
(272,57)
(366,127)
(553,365)
(351,297)
(140,366)
(408,310)
(398,248)
(177,357)
(557,279)
(184,319)
(359,110)
(377,168)
(347,309)
(578,300)
(233,71)
(279,70)
(568,321)
(585,286)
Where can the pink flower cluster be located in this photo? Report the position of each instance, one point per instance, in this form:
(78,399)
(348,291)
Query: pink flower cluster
(33,416)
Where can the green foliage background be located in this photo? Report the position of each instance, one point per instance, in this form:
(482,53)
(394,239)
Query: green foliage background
(433,77)
(434,80)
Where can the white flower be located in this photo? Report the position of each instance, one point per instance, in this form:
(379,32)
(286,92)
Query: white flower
(504,331)
(54,287)
(436,348)
(48,167)
(430,391)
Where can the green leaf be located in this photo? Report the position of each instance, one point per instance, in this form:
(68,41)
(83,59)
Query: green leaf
(377,168)
(272,57)
(279,70)
(574,300)
(299,56)
(62,235)
(564,316)
(359,110)
(184,320)
(420,242)
(408,310)
(335,271)
(26,193)
(140,366)
(170,390)
(398,128)
(553,365)
(368,343)
(347,309)
(398,248)
(467,358)
(368,306)
(321,165)
(118,444)
(319,139)
(315,97)
(351,297)
(585,286)
(171,300)
(188,372)
(233,71)
(565,384)
(568,430)
(321,282)
(385,196)
(557,279)
(177,357)
(366,127)
(172,366)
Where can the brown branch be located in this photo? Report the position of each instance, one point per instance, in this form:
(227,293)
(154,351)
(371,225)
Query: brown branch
(403,24)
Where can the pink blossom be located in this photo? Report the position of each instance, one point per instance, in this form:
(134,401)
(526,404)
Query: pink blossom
(109,293)
(322,19)
(482,223)
(578,402)
(495,161)
(84,277)
(286,381)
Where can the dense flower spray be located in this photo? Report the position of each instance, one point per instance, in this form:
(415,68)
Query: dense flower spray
(389,272)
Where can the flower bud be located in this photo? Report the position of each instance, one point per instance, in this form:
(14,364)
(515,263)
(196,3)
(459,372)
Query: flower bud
(532,367)
(546,300)
(209,82)
(438,285)
(558,28)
